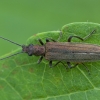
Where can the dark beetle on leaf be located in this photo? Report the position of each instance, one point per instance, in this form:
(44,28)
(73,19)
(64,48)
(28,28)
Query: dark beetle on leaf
(62,51)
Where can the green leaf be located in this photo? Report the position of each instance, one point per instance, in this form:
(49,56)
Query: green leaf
(21,78)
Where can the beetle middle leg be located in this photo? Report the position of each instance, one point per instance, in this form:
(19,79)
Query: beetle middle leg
(86,37)
(60,62)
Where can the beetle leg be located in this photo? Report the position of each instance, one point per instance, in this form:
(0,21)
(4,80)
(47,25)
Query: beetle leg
(50,63)
(40,41)
(70,38)
(86,37)
(40,59)
(58,63)
(70,66)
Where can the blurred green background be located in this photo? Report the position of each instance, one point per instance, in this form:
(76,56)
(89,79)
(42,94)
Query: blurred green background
(20,19)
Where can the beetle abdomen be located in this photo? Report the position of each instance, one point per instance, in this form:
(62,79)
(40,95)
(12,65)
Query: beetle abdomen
(72,52)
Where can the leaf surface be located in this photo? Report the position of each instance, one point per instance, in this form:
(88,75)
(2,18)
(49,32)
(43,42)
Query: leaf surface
(21,78)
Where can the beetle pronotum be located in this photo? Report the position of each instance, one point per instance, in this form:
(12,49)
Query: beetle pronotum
(62,51)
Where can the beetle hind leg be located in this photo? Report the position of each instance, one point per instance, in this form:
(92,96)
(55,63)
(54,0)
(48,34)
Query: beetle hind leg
(86,37)
(70,66)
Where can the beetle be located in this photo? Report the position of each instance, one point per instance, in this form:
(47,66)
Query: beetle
(53,50)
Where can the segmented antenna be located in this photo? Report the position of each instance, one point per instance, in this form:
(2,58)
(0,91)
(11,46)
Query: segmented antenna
(10,41)
(13,43)
(12,55)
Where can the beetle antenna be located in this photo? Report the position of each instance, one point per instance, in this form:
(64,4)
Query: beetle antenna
(10,41)
(12,55)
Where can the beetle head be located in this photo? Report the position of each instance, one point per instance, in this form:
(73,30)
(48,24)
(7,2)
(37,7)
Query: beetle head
(28,49)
